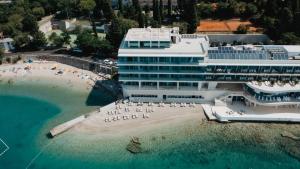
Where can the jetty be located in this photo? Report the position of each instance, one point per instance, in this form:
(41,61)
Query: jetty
(66,126)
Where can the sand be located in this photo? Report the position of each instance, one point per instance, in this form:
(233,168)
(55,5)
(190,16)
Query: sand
(49,72)
(113,120)
(95,124)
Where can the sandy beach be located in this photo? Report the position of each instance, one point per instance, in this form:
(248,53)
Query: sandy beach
(136,118)
(50,72)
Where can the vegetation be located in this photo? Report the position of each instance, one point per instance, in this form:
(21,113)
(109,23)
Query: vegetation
(242,29)
(280,19)
(1,55)
(19,20)
(59,40)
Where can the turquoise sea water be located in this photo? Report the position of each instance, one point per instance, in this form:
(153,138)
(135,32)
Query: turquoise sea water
(28,111)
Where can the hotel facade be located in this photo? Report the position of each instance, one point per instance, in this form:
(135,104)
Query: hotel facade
(161,65)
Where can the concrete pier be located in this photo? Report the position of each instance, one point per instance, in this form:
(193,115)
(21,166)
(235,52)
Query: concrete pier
(66,126)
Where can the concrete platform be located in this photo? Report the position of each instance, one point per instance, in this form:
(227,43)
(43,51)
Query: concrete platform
(208,111)
(240,112)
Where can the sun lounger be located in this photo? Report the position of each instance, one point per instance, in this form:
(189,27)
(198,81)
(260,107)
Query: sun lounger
(107,120)
(134,116)
(146,116)
(125,117)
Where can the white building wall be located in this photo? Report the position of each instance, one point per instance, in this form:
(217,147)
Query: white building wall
(208,95)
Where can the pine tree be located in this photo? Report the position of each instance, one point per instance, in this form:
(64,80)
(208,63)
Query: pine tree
(120,4)
(155,11)
(115,32)
(107,10)
(190,15)
(139,13)
(141,19)
(161,10)
(169,8)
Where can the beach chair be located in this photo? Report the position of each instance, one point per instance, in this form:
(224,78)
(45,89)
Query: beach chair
(134,116)
(125,117)
(146,116)
(107,120)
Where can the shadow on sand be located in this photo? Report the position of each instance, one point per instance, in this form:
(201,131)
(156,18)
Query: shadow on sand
(103,93)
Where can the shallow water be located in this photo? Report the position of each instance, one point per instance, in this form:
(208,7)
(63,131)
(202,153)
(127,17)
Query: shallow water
(29,110)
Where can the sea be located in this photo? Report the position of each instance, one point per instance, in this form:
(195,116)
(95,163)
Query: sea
(29,110)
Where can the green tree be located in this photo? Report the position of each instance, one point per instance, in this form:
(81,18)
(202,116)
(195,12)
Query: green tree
(190,15)
(21,41)
(154,24)
(147,9)
(1,55)
(141,19)
(39,12)
(86,42)
(120,5)
(66,38)
(146,20)
(15,20)
(140,15)
(154,4)
(242,29)
(183,26)
(107,10)
(286,19)
(161,10)
(104,48)
(38,40)
(87,7)
(30,24)
(250,10)
(52,36)
(169,8)
(56,40)
(271,8)
(66,6)
(115,34)
(289,38)
(118,29)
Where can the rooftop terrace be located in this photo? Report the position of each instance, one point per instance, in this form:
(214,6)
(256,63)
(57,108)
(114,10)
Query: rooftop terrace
(180,45)
(150,34)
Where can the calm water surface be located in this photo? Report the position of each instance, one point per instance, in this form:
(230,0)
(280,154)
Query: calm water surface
(28,112)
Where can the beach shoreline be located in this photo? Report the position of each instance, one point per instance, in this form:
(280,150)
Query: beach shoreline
(50,73)
(84,81)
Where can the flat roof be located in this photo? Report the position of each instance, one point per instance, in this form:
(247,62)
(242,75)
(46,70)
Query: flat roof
(149,34)
(292,48)
(187,46)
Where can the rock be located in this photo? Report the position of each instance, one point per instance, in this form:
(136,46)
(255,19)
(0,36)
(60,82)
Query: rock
(10,82)
(294,152)
(135,140)
(134,146)
(290,146)
(290,135)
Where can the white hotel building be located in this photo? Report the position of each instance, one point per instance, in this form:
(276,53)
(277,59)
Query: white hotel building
(161,65)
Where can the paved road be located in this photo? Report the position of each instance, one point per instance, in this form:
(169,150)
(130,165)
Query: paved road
(52,52)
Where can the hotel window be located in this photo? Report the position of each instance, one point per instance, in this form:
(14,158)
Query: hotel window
(131,83)
(185,97)
(145,44)
(154,44)
(140,95)
(134,44)
(164,44)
